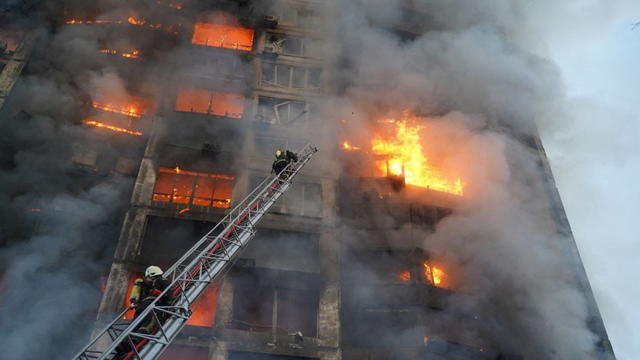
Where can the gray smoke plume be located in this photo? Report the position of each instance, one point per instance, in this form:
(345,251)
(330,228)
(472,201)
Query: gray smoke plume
(483,87)
(477,79)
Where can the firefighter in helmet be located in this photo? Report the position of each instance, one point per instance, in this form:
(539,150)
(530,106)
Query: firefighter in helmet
(145,291)
(283,158)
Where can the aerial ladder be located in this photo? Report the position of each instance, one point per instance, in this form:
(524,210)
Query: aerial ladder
(205,262)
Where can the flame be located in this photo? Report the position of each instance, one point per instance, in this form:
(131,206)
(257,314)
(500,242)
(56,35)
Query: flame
(111,127)
(224,32)
(136,21)
(184,211)
(73,21)
(177,170)
(133,54)
(348,147)
(405,276)
(405,157)
(176,5)
(435,275)
(129,110)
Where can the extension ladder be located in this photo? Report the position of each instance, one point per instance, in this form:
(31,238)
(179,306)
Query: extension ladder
(205,262)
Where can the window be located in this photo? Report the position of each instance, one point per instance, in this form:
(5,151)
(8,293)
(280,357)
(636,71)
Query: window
(291,16)
(288,76)
(254,306)
(291,45)
(304,199)
(204,309)
(223,31)
(280,111)
(210,102)
(188,187)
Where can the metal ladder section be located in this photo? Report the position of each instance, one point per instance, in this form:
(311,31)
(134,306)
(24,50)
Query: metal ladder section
(206,261)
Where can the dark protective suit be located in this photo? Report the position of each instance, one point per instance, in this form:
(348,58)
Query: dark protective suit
(281,161)
(143,294)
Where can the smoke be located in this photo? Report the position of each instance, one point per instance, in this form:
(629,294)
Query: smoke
(480,80)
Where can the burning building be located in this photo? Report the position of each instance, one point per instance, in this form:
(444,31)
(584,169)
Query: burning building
(183,104)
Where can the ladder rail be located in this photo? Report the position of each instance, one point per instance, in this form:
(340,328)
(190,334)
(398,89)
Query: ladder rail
(203,263)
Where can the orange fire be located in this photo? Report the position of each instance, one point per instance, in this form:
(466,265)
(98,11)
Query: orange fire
(404,156)
(189,187)
(176,5)
(435,275)
(405,276)
(224,32)
(133,54)
(348,147)
(136,21)
(73,21)
(130,106)
(111,127)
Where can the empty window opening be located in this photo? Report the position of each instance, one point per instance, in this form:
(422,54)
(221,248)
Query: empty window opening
(193,188)
(281,310)
(210,102)
(281,111)
(165,239)
(303,199)
(223,31)
(289,76)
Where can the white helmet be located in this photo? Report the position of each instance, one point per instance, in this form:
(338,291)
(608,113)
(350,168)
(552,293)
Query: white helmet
(153,271)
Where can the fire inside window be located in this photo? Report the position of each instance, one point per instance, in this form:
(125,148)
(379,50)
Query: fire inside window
(189,187)
(223,32)
(204,309)
(118,113)
(210,102)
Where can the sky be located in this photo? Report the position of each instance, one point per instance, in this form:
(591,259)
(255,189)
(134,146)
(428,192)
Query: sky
(595,157)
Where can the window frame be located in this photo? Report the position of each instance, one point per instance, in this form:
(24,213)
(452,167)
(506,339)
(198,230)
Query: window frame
(275,68)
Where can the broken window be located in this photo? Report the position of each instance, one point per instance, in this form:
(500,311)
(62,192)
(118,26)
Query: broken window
(291,45)
(298,17)
(303,199)
(223,31)
(280,111)
(189,187)
(253,307)
(210,102)
(289,76)
(255,304)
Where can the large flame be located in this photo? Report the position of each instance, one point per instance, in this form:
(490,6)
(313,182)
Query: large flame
(403,155)
(435,275)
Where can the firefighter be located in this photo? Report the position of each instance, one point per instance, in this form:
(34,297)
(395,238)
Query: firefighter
(145,291)
(283,158)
